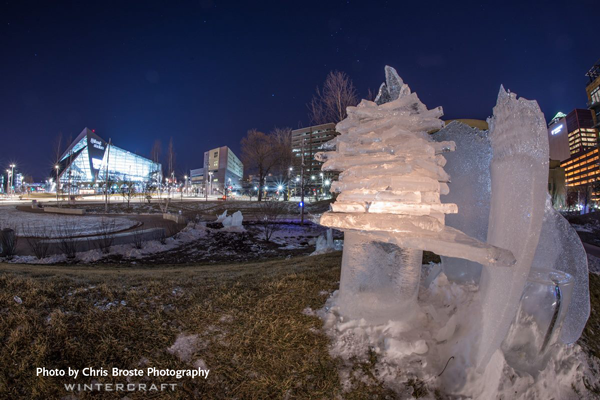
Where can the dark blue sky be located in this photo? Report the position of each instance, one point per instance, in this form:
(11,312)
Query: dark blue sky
(204,72)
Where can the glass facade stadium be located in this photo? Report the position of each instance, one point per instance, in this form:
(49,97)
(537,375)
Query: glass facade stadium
(89,158)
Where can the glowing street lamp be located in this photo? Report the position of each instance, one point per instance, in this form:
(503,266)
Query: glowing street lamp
(57,167)
(12,178)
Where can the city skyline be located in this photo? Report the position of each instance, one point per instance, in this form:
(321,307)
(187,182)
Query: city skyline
(205,72)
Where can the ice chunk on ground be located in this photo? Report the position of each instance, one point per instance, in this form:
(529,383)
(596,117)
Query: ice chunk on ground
(232,223)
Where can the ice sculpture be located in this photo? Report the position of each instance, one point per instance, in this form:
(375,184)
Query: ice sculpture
(232,222)
(390,210)
(560,248)
(519,179)
(469,168)
(389,204)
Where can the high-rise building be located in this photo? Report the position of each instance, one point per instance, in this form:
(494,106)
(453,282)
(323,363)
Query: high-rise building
(197,179)
(558,138)
(582,134)
(222,168)
(571,134)
(593,92)
(583,171)
(310,140)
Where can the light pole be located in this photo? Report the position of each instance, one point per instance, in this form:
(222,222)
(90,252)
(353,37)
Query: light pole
(289,180)
(57,167)
(12,178)
(322,191)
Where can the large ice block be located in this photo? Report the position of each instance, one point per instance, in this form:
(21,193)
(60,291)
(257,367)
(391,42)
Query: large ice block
(469,167)
(519,180)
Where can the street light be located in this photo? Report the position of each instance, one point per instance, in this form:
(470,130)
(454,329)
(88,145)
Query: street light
(12,178)
(56,167)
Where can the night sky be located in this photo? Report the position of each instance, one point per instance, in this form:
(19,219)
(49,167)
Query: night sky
(205,72)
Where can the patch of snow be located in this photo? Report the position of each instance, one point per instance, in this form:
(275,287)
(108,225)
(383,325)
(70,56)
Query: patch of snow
(309,311)
(434,341)
(185,346)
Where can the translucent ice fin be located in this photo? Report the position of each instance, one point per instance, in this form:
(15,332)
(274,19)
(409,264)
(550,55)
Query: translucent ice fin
(560,248)
(519,178)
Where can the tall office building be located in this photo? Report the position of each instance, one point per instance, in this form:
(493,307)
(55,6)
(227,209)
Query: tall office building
(222,168)
(571,134)
(558,138)
(593,92)
(310,140)
(582,169)
(582,134)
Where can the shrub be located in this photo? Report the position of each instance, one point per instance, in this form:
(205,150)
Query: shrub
(107,236)
(67,243)
(8,242)
(269,214)
(138,239)
(38,240)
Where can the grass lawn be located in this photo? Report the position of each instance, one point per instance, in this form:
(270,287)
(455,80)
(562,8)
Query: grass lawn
(251,332)
(244,322)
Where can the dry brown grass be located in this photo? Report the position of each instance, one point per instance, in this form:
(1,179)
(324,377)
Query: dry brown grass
(252,333)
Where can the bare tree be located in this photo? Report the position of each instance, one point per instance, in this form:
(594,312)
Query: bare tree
(259,154)
(156,150)
(171,159)
(128,191)
(57,148)
(371,95)
(329,103)
(282,138)
(283,144)
(170,166)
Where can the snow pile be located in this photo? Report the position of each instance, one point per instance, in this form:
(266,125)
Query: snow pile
(232,223)
(192,232)
(432,347)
